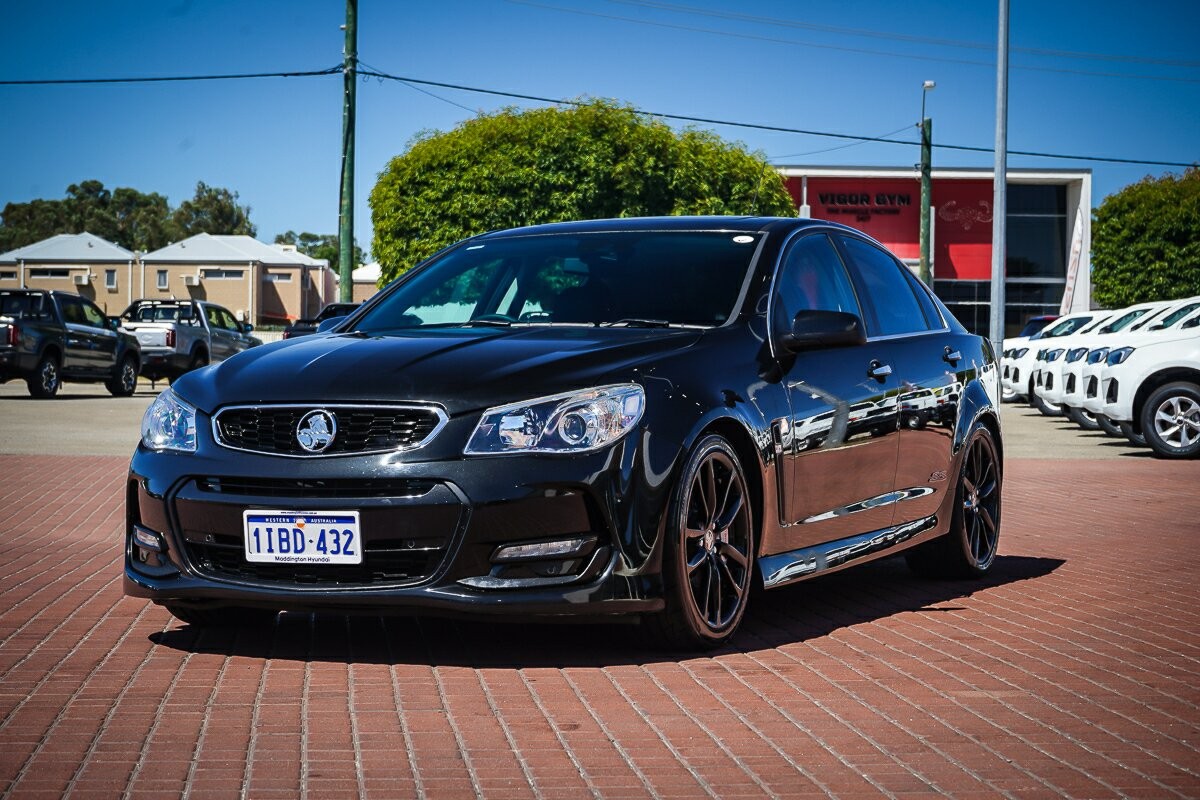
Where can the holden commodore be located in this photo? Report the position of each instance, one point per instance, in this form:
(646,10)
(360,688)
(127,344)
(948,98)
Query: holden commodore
(636,418)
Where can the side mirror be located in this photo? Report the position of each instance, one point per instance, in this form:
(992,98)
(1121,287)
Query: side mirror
(811,329)
(329,324)
(114,322)
(246,327)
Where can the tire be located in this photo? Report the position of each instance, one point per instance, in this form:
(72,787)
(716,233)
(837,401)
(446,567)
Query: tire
(708,554)
(1008,395)
(199,359)
(1108,426)
(1083,418)
(223,617)
(968,550)
(1133,436)
(1171,420)
(123,383)
(1049,409)
(46,380)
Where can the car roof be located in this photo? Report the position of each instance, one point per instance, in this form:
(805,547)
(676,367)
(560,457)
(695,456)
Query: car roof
(701,223)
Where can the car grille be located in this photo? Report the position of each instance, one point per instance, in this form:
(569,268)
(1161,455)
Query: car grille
(384,562)
(360,429)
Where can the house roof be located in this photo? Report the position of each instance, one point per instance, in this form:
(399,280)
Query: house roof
(367,273)
(81,248)
(207,248)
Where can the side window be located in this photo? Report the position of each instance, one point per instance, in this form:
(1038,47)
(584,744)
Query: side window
(92,316)
(213,315)
(72,310)
(814,279)
(933,319)
(891,300)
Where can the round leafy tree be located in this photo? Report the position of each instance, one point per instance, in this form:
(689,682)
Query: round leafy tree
(1146,241)
(590,161)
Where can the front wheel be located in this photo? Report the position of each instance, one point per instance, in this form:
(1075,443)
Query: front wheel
(969,548)
(1108,426)
(1049,409)
(1171,420)
(1083,418)
(45,380)
(124,380)
(708,555)
(1133,436)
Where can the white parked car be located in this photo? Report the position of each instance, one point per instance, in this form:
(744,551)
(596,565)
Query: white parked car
(1153,386)
(1076,360)
(1016,363)
(1049,378)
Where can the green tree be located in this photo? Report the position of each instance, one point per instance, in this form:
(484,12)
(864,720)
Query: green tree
(124,216)
(212,210)
(590,161)
(320,245)
(1146,241)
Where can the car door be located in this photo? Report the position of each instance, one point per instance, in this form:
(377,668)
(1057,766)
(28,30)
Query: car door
(222,332)
(105,339)
(930,367)
(81,337)
(843,442)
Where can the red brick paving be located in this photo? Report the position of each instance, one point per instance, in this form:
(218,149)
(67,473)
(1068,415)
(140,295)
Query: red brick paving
(1073,670)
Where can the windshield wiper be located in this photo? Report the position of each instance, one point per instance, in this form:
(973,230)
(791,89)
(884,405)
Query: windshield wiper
(636,322)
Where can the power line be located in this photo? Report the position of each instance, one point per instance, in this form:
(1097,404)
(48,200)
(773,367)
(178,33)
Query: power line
(558,101)
(170,78)
(779,128)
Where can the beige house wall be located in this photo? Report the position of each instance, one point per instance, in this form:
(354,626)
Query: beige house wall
(32,275)
(363,290)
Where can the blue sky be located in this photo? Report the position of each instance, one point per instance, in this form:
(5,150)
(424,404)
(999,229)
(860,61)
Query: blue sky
(1117,84)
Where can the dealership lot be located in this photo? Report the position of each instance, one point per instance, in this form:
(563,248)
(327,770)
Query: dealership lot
(1073,669)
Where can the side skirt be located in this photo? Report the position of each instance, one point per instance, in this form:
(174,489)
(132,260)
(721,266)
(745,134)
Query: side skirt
(806,562)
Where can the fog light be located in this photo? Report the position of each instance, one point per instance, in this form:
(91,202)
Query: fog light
(148,539)
(559,548)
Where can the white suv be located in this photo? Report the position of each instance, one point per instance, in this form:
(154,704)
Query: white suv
(1017,362)
(1153,385)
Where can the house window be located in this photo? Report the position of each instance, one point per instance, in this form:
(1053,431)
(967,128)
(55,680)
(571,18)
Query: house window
(8,274)
(223,274)
(110,279)
(49,273)
(162,280)
(279,277)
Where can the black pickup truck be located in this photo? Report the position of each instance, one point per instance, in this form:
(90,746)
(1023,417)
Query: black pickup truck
(49,337)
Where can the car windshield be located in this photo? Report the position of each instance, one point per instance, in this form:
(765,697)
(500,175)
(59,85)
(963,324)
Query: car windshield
(1033,326)
(1124,321)
(1173,317)
(631,278)
(22,306)
(1062,328)
(158,313)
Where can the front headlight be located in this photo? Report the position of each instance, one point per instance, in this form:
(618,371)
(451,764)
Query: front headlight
(1020,352)
(169,424)
(1118,356)
(1097,355)
(1053,355)
(576,422)
(1075,354)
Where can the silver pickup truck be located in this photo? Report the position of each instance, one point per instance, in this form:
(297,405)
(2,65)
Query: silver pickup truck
(177,336)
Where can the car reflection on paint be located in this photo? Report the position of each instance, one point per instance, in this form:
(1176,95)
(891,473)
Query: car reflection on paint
(613,418)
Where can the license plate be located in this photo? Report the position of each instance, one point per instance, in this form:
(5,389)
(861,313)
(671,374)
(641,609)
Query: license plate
(302,537)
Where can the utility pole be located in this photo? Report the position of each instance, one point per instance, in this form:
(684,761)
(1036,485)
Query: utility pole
(924,273)
(346,211)
(1000,185)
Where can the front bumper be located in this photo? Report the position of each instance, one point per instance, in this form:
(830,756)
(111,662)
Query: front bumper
(431,530)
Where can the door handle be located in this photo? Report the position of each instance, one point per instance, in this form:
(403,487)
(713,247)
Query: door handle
(879,371)
(951,356)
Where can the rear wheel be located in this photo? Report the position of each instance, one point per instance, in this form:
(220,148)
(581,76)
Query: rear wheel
(1171,420)
(222,617)
(199,359)
(1083,418)
(124,380)
(969,549)
(45,380)
(709,551)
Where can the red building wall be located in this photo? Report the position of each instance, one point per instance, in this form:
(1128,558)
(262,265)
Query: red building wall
(889,209)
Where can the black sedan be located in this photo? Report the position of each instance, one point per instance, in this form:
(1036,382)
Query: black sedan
(623,417)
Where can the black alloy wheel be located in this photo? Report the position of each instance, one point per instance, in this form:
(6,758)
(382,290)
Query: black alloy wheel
(710,550)
(969,548)
(1171,420)
(124,381)
(44,383)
